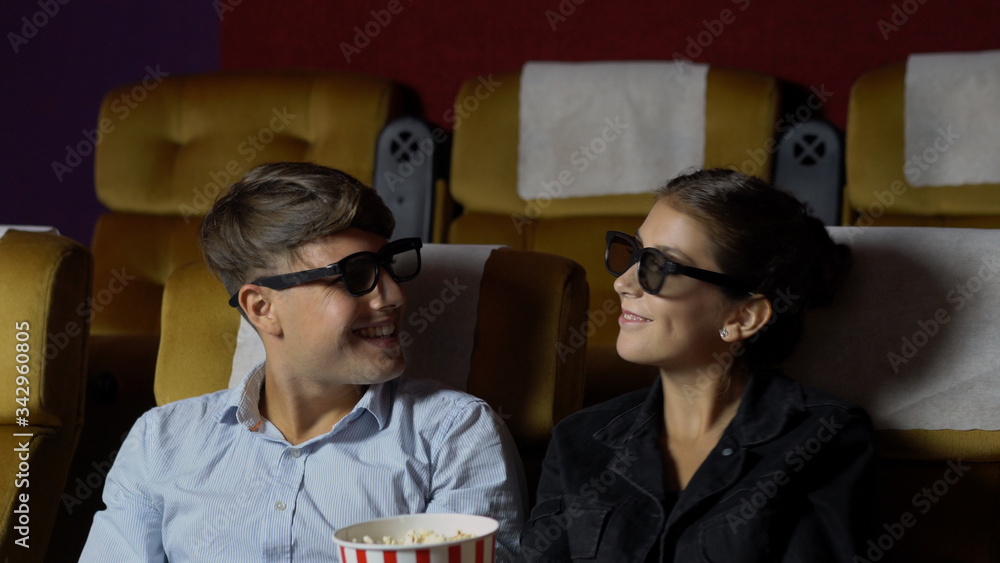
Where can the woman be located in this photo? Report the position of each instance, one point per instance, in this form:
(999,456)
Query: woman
(724,458)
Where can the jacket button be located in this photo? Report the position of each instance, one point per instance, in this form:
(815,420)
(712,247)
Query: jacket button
(727,452)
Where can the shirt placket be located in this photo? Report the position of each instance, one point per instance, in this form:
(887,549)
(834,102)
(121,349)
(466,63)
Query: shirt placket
(288,477)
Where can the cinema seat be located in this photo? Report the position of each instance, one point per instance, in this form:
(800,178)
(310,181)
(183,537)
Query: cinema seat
(528,303)
(169,145)
(741,108)
(45,277)
(910,338)
(174,143)
(877,190)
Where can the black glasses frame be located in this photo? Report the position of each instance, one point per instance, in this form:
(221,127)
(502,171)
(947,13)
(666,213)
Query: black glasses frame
(383,257)
(665,266)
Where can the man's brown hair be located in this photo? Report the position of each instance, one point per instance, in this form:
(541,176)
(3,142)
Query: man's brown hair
(259,225)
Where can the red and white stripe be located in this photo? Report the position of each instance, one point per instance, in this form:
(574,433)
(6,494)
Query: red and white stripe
(479,551)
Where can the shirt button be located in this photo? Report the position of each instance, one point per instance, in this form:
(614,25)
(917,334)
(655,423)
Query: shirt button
(295,452)
(727,452)
(279,506)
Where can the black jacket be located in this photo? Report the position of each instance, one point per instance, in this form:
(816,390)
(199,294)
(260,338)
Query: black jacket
(788,481)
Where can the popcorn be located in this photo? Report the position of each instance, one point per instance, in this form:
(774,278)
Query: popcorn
(416,536)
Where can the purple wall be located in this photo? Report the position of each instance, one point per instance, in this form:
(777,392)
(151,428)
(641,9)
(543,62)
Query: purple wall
(51,90)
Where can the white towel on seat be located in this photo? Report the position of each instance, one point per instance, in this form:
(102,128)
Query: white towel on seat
(591,129)
(912,336)
(952,119)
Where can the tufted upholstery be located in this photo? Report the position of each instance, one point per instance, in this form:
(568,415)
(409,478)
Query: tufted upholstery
(168,146)
(161,164)
(45,278)
(877,192)
(740,124)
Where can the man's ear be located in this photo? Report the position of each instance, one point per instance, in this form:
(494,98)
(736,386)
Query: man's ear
(748,318)
(257,303)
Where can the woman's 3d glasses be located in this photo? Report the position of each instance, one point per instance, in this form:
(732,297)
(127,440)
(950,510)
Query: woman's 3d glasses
(359,271)
(654,267)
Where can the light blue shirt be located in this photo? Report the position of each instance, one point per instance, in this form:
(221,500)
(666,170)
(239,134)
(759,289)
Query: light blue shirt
(207,479)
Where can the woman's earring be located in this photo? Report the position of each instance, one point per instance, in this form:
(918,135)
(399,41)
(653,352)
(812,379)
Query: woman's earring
(723,332)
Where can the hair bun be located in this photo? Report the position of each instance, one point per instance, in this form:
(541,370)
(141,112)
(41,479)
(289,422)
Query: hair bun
(829,268)
(767,237)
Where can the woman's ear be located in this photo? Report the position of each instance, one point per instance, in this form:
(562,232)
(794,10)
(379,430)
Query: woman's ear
(748,318)
(257,303)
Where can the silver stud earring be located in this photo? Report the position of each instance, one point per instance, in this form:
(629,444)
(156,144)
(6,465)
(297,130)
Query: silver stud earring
(723,332)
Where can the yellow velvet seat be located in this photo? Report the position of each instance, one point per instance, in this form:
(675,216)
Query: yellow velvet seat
(741,108)
(877,191)
(162,164)
(46,278)
(528,303)
(168,146)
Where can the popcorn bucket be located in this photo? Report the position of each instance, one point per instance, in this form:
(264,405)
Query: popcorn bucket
(478,548)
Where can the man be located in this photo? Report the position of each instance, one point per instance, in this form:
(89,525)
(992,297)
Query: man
(322,434)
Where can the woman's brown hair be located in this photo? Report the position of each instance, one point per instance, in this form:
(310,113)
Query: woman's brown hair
(766,237)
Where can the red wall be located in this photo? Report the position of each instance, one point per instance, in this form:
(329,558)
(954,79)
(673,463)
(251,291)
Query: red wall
(433,46)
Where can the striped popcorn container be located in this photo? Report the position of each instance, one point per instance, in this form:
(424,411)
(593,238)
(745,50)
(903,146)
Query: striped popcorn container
(476,544)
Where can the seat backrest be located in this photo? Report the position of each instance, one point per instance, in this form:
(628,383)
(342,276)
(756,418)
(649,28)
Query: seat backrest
(524,360)
(911,338)
(877,190)
(46,279)
(169,145)
(740,116)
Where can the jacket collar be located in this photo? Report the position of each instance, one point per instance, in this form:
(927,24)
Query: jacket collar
(770,402)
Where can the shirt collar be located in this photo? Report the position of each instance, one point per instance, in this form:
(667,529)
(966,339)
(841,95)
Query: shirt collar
(378,401)
(245,398)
